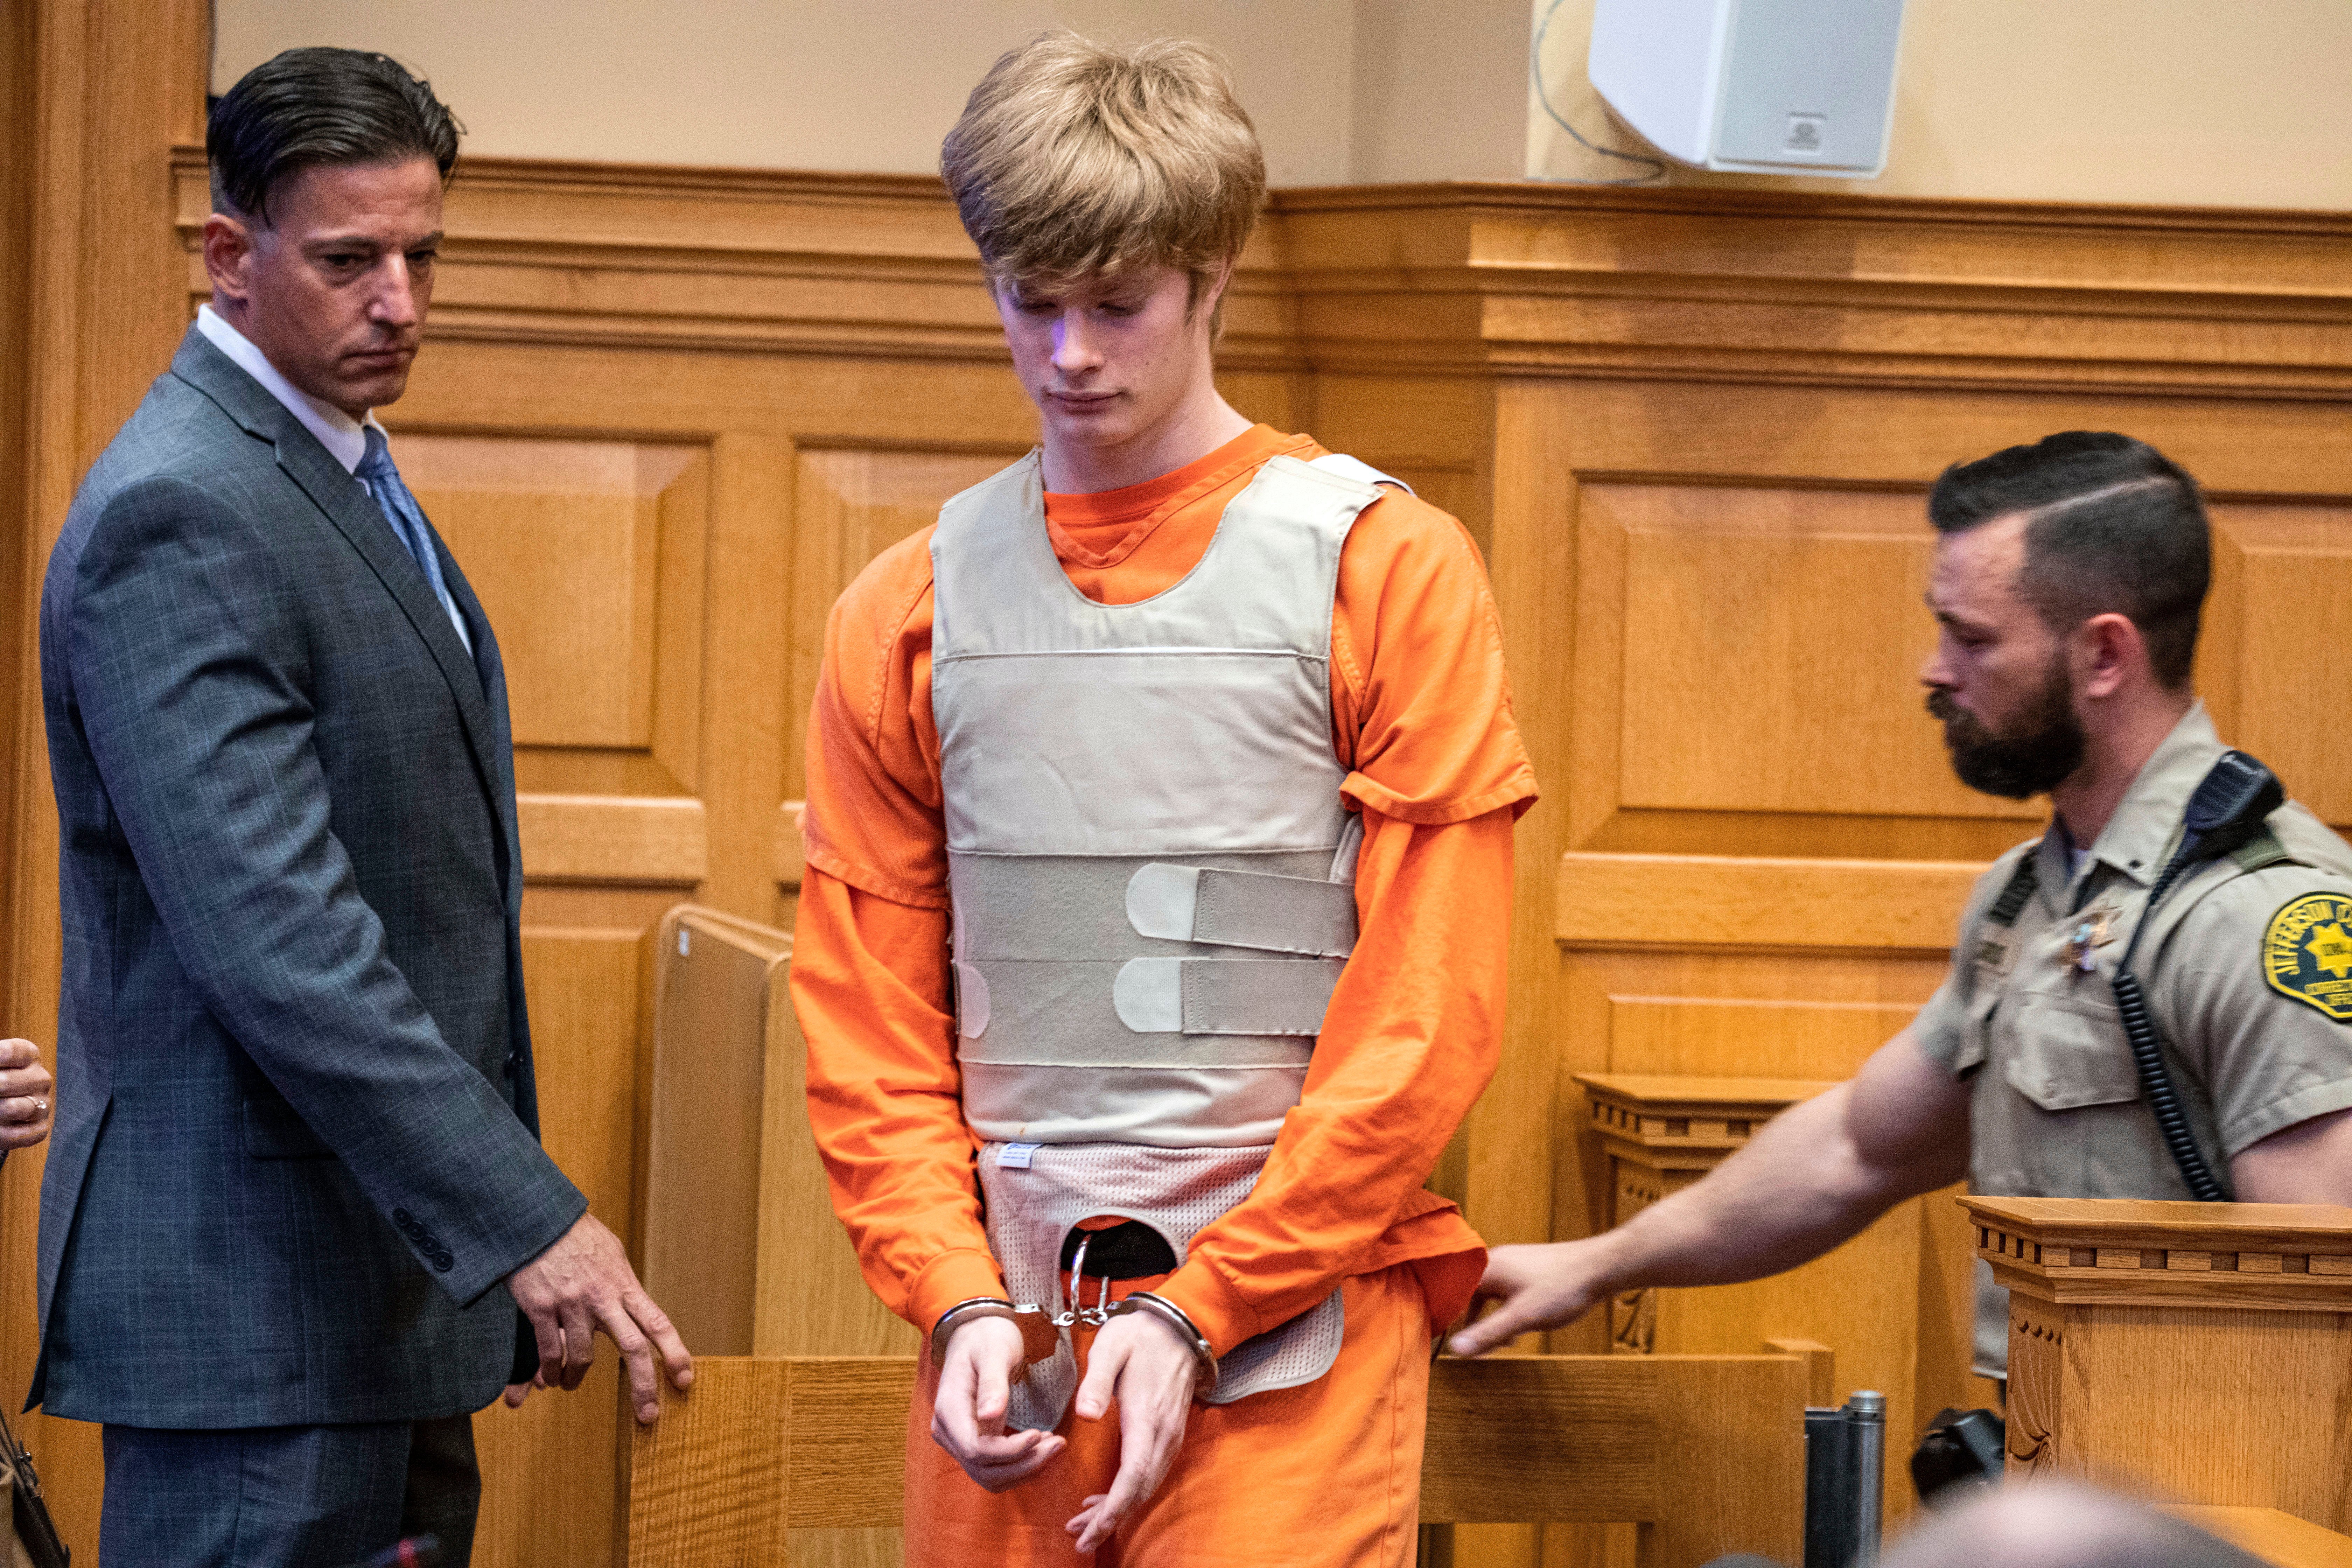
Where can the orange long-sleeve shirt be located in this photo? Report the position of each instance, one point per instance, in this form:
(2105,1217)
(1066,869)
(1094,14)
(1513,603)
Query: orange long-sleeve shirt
(1421,719)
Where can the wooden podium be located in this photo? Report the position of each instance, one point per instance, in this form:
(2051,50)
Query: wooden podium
(1661,1135)
(1891,1304)
(2201,1353)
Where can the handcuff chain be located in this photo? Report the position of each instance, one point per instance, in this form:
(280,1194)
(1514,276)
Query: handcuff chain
(1093,1317)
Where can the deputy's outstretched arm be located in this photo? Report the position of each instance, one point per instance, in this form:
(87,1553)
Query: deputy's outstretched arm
(1816,1174)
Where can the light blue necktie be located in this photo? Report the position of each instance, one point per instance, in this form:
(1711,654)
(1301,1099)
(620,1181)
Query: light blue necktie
(407,519)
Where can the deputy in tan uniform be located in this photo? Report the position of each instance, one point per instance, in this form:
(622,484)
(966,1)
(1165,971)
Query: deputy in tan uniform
(2068,577)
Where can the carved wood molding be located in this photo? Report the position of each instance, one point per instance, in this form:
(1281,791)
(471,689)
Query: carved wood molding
(2274,1257)
(1463,278)
(1650,1126)
(2037,1348)
(1795,287)
(543,252)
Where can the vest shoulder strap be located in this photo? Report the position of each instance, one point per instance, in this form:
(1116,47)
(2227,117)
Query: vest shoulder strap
(1356,469)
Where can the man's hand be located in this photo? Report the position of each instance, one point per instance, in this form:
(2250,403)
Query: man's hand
(583,1284)
(1139,1361)
(1535,1288)
(517,1392)
(24,1090)
(975,1389)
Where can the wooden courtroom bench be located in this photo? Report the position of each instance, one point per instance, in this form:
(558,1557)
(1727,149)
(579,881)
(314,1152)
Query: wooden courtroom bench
(1705,1454)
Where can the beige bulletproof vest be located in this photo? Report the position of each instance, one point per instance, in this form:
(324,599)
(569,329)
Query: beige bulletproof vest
(1151,870)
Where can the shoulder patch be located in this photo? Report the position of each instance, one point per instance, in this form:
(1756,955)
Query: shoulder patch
(2307,952)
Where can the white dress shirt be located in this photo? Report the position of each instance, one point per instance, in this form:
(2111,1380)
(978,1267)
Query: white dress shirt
(344,437)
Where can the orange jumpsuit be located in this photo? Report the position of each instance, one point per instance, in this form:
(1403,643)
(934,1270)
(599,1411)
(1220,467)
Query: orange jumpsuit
(1421,706)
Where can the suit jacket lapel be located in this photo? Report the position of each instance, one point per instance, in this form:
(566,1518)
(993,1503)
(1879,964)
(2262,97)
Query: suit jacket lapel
(355,515)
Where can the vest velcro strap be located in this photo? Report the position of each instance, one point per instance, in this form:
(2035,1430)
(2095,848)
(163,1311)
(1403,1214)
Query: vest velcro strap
(1243,908)
(971,1001)
(1226,996)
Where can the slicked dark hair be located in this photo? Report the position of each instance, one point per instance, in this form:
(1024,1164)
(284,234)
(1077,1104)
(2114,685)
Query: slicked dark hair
(2113,526)
(309,107)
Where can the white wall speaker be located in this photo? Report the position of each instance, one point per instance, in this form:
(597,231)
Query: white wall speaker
(1757,87)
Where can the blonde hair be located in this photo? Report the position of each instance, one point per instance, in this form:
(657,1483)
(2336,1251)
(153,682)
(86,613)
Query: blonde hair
(1075,159)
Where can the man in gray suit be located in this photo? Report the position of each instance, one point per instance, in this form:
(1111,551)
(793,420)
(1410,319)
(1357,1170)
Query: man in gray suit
(296,1193)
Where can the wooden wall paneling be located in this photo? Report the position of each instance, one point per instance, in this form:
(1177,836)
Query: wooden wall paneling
(1688,428)
(590,553)
(850,504)
(1432,431)
(1532,563)
(18,681)
(1700,561)
(95,94)
(588,557)
(1944,1377)
(1771,640)
(2290,595)
(1513,1182)
(1756,286)
(582,987)
(748,628)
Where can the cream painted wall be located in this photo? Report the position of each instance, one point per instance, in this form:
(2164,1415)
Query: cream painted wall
(814,84)
(2169,102)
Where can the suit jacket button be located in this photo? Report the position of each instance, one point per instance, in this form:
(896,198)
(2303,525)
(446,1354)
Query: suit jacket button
(400,1218)
(444,1262)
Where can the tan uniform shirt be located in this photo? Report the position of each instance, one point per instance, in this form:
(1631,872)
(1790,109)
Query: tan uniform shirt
(2247,973)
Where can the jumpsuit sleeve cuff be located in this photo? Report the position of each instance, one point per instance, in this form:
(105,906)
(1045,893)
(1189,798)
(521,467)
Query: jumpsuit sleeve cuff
(1215,1308)
(950,1277)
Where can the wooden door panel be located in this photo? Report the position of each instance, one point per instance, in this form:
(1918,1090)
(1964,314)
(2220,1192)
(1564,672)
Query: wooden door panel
(2292,611)
(588,557)
(1768,641)
(849,504)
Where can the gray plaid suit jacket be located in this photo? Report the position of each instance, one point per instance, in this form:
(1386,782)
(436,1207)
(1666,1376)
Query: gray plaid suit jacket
(296,1150)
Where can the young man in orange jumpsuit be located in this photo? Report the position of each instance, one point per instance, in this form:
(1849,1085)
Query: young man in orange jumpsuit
(1246,1382)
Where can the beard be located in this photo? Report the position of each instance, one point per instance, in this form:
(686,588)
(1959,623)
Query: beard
(2032,755)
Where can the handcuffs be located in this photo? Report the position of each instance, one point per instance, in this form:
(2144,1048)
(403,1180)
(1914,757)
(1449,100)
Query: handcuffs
(1043,1334)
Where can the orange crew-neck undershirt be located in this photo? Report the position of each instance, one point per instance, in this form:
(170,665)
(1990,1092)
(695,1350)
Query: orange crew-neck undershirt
(1125,545)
